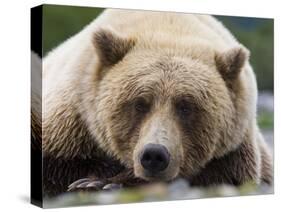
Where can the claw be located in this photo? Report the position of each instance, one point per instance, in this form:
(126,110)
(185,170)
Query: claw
(71,188)
(86,183)
(96,184)
(83,185)
(112,186)
(77,183)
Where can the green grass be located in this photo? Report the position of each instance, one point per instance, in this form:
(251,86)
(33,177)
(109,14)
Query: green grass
(266,120)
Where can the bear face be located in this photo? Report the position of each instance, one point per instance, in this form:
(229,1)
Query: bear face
(165,117)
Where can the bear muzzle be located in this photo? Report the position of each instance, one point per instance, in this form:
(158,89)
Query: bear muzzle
(158,153)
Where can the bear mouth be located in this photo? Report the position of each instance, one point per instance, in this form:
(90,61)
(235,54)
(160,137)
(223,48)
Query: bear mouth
(156,176)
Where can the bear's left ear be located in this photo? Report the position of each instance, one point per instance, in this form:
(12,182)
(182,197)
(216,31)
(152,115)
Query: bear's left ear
(110,47)
(231,62)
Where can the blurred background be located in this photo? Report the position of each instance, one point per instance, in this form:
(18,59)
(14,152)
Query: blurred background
(61,22)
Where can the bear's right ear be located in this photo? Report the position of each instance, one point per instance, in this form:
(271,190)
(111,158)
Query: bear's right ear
(231,62)
(110,47)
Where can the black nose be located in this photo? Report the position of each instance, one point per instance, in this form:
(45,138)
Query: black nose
(155,158)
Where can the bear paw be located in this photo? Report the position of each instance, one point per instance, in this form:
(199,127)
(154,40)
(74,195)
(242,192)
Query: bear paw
(90,184)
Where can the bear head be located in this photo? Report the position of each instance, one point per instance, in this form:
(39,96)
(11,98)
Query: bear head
(164,110)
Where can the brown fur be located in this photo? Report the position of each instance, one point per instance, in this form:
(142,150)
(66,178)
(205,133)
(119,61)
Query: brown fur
(231,63)
(196,95)
(111,48)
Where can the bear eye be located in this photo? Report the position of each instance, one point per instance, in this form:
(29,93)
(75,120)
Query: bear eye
(141,105)
(184,108)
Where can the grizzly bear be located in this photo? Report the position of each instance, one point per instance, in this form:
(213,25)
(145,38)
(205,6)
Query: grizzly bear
(140,96)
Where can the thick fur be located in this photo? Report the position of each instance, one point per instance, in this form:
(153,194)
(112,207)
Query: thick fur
(92,81)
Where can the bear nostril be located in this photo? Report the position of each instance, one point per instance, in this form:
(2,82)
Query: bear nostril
(159,158)
(147,157)
(155,158)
